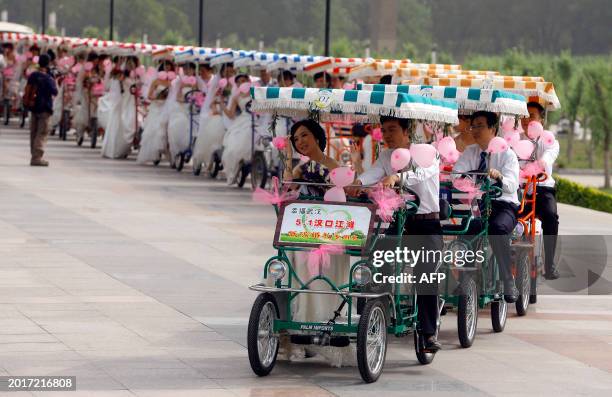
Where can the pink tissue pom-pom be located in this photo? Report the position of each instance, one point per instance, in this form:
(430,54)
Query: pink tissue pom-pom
(377,134)
(280,142)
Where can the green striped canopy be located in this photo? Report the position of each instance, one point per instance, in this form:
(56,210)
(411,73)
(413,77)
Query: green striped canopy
(333,104)
(468,99)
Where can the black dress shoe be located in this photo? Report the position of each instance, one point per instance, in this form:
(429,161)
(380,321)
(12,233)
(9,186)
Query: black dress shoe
(432,345)
(510,292)
(553,274)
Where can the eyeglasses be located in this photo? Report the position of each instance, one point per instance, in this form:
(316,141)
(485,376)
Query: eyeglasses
(477,127)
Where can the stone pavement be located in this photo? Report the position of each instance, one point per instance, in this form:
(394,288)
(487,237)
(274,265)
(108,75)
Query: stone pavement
(134,279)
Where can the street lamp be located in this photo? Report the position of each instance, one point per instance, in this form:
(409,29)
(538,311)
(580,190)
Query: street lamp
(44,15)
(327,10)
(201,23)
(112,17)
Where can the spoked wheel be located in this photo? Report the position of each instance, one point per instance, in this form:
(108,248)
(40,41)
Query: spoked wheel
(94,133)
(523,278)
(259,171)
(467,312)
(179,161)
(533,297)
(197,169)
(7,111)
(262,344)
(216,164)
(424,357)
(372,340)
(24,114)
(243,173)
(499,313)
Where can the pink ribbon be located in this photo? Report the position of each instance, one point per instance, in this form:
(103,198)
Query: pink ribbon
(321,257)
(275,197)
(387,201)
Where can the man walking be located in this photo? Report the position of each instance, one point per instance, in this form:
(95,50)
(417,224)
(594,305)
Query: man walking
(40,91)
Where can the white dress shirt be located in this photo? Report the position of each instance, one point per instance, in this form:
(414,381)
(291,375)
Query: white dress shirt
(425,182)
(505,162)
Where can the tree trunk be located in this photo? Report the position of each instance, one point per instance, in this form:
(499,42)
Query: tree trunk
(570,142)
(607,164)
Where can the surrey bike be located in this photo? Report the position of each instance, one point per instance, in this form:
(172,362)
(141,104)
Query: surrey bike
(386,309)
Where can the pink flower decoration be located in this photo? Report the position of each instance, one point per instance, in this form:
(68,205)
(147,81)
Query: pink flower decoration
(280,142)
(377,134)
(321,257)
(387,201)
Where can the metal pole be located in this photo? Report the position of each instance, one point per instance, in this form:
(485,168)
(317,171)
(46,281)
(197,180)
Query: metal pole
(327,12)
(44,16)
(112,19)
(201,24)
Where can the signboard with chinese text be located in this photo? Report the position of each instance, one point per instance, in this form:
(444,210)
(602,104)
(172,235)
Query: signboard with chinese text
(312,223)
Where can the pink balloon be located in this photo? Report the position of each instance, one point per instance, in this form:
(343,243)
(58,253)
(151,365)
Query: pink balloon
(423,154)
(342,176)
(446,146)
(35,59)
(21,58)
(280,142)
(535,129)
(531,169)
(400,158)
(140,71)
(335,194)
(452,157)
(88,66)
(76,68)
(523,149)
(548,138)
(245,87)
(171,75)
(222,83)
(162,75)
(497,145)
(132,74)
(71,60)
(511,137)
(28,55)
(377,134)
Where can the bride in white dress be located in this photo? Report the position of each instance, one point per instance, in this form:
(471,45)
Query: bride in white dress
(155,127)
(178,120)
(211,130)
(115,144)
(237,141)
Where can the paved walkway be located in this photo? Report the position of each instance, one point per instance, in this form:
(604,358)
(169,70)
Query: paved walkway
(134,279)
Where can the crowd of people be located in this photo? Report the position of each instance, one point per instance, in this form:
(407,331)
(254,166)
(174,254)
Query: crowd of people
(108,93)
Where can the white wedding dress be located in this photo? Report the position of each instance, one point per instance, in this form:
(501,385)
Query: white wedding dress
(237,141)
(155,131)
(211,132)
(178,121)
(115,145)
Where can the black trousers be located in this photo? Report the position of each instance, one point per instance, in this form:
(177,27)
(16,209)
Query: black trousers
(427,235)
(546,210)
(502,221)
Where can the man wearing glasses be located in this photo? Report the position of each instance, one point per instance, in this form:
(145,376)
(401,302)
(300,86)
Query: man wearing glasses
(503,168)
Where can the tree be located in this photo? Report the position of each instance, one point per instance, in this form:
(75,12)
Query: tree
(599,77)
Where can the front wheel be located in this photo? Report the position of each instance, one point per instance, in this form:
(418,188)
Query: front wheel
(93,127)
(262,343)
(259,171)
(467,312)
(179,161)
(499,314)
(216,166)
(243,172)
(523,278)
(372,341)
(197,169)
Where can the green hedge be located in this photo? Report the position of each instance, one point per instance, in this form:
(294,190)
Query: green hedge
(572,193)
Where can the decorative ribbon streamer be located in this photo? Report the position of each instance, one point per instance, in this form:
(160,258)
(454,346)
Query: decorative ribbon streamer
(320,258)
(387,201)
(275,197)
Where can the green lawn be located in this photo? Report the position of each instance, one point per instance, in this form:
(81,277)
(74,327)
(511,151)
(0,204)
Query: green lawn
(580,158)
